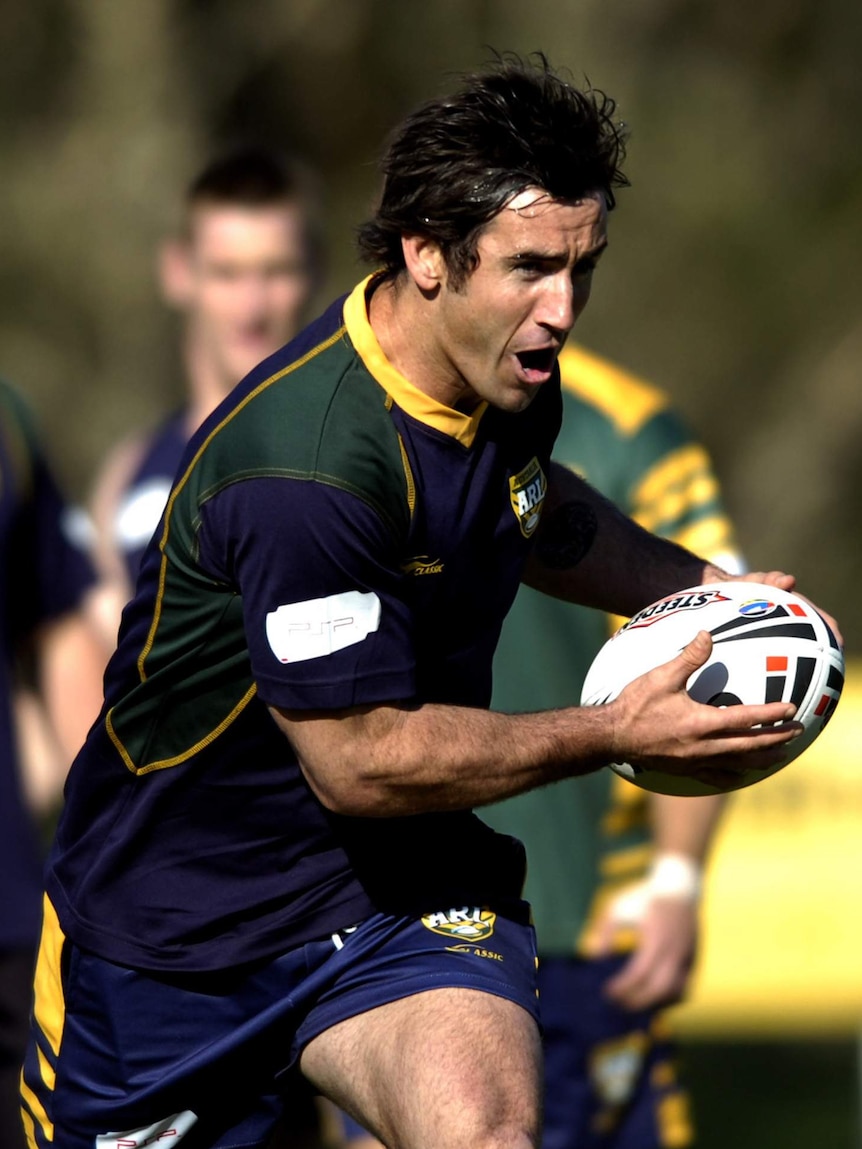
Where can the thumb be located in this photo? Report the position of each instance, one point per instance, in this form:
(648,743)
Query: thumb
(694,655)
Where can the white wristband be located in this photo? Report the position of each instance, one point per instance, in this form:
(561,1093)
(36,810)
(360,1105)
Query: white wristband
(675,876)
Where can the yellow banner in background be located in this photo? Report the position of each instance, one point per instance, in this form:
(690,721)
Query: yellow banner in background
(782,944)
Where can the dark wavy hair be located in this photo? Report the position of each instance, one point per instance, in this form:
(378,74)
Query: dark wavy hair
(455,162)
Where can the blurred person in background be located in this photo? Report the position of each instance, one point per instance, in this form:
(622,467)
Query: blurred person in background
(613,872)
(51,664)
(241,274)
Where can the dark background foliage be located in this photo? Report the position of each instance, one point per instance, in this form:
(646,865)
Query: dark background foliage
(733,276)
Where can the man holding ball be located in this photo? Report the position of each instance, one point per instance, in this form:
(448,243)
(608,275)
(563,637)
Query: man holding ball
(268,856)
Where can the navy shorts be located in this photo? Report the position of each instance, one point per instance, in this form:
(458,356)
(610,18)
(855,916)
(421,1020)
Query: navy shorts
(119,1058)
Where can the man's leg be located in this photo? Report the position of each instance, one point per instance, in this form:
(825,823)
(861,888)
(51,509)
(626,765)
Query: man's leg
(442,1069)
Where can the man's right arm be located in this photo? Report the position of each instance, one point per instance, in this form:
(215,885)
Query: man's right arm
(387,761)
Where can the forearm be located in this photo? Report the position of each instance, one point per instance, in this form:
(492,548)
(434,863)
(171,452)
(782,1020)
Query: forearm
(389,761)
(588,551)
(72,658)
(685,825)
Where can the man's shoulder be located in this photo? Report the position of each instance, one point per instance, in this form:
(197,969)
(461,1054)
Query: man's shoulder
(310,412)
(623,400)
(305,403)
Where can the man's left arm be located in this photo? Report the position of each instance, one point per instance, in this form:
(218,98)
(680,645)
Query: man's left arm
(664,909)
(587,551)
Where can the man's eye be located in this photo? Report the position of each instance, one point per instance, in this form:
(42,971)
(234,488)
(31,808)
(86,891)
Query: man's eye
(585,267)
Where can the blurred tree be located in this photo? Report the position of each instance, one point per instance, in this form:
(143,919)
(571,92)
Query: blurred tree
(721,282)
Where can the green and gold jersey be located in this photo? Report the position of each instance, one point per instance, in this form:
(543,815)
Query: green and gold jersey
(335,538)
(588,837)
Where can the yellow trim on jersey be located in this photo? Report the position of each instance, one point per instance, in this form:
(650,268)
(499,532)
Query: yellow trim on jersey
(626,864)
(164,763)
(313,353)
(408,475)
(663,1075)
(672,472)
(712,538)
(673,1117)
(626,400)
(49,1009)
(38,1111)
(628,808)
(697,493)
(29,1129)
(49,1013)
(409,398)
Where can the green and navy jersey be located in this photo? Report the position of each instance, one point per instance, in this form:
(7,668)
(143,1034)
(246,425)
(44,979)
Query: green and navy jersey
(587,838)
(334,538)
(43,575)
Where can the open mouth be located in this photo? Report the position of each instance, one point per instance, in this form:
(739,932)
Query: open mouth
(537,365)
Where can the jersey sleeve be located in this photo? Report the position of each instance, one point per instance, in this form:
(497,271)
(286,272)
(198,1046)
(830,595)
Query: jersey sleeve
(672,490)
(325,617)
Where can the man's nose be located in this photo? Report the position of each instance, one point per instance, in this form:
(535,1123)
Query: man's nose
(557,306)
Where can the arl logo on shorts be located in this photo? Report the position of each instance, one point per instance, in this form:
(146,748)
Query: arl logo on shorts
(169,1131)
(471,924)
(527,492)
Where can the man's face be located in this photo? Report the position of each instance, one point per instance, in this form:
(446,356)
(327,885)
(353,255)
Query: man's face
(243,281)
(502,329)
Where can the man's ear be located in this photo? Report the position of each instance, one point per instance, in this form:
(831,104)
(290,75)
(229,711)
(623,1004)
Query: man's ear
(424,261)
(174,272)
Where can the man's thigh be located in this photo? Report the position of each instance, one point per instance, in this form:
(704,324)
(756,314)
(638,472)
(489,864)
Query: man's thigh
(610,1074)
(456,1059)
(444,1068)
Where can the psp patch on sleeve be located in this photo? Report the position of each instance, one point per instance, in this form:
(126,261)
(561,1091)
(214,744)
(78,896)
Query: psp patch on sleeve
(298,631)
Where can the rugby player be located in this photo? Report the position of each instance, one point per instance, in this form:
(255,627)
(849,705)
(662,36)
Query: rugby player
(268,854)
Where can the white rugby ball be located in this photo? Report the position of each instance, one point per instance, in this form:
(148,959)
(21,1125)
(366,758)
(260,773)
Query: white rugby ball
(768,646)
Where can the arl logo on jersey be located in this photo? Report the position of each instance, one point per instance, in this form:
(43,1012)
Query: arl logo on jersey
(473,924)
(527,492)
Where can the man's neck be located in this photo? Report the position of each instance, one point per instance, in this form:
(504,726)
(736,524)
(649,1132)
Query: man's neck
(399,314)
(207,386)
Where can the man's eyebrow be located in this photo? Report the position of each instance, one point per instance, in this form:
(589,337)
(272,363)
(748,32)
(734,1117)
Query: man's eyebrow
(534,256)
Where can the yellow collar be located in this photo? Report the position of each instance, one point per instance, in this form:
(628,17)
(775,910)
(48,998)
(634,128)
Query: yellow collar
(408,397)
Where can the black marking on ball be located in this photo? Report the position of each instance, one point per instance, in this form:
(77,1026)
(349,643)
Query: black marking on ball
(805,668)
(747,620)
(785,630)
(709,683)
